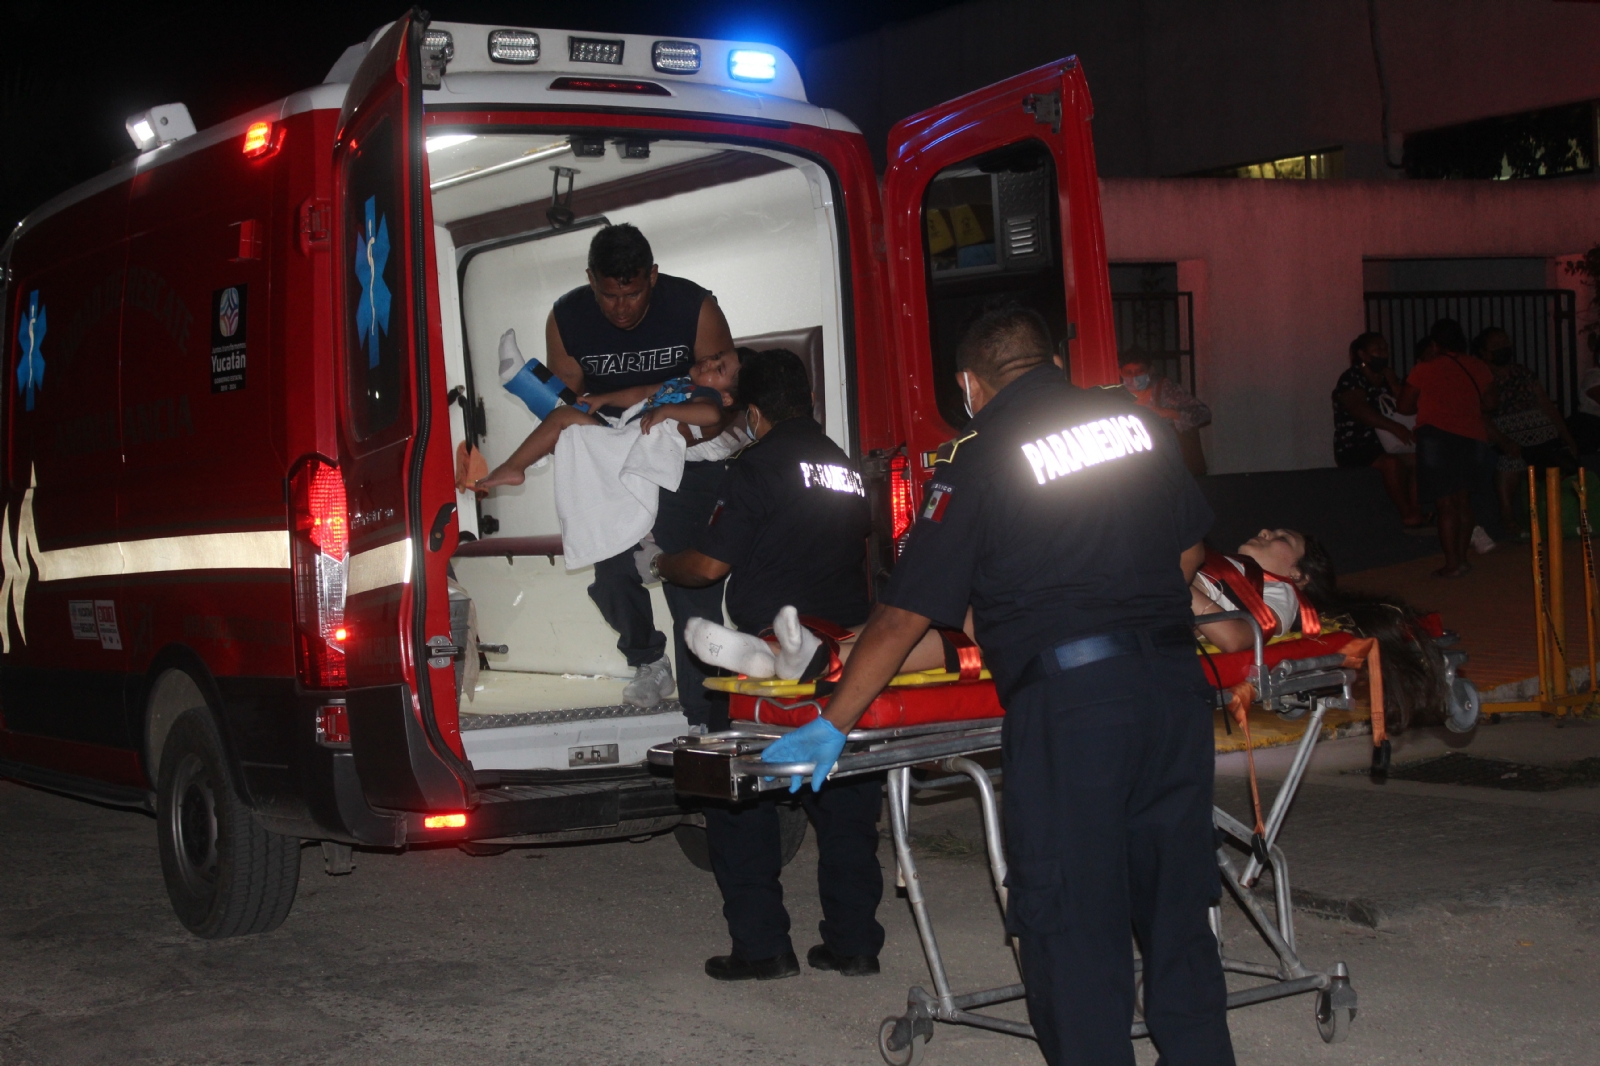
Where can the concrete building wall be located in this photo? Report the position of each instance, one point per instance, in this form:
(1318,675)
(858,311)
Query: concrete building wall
(1277,268)
(1181,85)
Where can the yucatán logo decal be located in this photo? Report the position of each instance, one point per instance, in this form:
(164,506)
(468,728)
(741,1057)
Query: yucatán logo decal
(1059,454)
(230,331)
(30,364)
(372,255)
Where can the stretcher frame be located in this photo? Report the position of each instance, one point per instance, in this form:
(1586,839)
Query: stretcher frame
(727,766)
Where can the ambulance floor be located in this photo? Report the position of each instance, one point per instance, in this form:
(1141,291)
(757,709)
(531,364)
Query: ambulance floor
(512,692)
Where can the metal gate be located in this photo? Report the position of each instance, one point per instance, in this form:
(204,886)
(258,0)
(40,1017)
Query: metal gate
(1542,323)
(1159,328)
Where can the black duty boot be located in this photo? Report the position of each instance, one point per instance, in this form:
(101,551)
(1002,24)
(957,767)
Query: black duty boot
(823,957)
(732,968)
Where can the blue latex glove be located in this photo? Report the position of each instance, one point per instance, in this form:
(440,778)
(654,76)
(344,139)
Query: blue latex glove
(817,742)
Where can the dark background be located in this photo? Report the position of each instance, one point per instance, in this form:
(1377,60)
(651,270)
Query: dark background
(74,72)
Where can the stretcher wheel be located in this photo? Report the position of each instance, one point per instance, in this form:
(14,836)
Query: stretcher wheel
(1333,1023)
(899,1044)
(1464,704)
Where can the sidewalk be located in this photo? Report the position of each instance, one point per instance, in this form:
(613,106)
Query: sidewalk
(1492,608)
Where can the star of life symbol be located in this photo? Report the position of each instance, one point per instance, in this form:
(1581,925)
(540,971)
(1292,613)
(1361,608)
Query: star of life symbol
(372,254)
(17,567)
(228,312)
(30,365)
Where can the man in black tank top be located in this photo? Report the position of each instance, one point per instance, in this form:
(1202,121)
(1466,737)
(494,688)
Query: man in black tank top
(613,341)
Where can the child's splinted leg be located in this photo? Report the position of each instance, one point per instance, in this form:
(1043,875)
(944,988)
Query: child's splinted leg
(717,645)
(530,380)
(797,645)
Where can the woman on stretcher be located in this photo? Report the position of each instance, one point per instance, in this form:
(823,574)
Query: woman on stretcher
(1285,578)
(696,399)
(1265,577)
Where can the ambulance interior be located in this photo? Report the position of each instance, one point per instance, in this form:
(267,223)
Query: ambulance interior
(757,227)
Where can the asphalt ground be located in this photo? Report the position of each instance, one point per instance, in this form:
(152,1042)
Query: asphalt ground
(1482,949)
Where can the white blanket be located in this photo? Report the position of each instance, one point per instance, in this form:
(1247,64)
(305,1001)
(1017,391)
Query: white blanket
(607,485)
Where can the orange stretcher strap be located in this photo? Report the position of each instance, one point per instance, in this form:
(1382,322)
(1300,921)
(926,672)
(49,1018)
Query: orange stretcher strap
(1247,589)
(968,656)
(1363,651)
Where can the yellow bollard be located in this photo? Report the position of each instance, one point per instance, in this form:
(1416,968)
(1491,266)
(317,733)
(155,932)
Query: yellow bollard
(1589,589)
(1536,553)
(1558,585)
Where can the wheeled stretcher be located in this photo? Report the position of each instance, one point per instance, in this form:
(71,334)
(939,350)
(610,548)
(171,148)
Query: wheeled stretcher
(943,720)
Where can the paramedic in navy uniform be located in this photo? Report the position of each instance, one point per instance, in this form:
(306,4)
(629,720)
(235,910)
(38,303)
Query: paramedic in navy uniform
(632,325)
(791,525)
(1067,520)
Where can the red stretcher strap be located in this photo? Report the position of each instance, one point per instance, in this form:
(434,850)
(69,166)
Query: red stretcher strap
(969,657)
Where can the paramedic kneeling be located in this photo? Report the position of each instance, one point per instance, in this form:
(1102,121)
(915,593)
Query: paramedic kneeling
(633,326)
(1067,520)
(791,526)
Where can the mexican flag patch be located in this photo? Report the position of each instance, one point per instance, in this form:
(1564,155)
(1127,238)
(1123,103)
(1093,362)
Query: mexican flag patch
(938,500)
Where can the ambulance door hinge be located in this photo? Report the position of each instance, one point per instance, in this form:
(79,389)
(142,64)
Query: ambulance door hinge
(316,225)
(442,653)
(1045,109)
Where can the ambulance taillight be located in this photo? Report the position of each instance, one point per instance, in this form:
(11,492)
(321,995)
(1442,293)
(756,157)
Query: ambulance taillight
(321,567)
(900,502)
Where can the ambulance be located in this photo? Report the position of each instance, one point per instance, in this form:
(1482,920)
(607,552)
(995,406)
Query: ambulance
(241,588)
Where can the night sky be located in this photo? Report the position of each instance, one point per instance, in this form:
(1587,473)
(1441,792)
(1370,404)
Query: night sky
(73,72)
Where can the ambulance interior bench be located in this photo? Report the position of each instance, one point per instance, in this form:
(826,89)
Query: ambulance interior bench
(939,719)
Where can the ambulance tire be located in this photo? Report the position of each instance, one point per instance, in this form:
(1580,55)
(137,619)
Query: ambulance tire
(225,874)
(792,823)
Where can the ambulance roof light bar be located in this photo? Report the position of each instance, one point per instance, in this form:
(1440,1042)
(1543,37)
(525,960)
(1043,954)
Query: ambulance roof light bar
(160,125)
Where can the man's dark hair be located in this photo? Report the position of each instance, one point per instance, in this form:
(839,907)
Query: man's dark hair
(1449,336)
(1361,344)
(1002,342)
(620,252)
(775,381)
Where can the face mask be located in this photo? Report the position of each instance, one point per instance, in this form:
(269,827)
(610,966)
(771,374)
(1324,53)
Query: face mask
(1502,356)
(966,396)
(1138,384)
(749,424)
(1378,364)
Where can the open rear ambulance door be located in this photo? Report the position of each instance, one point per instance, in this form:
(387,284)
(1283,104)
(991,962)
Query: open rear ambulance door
(994,196)
(395,462)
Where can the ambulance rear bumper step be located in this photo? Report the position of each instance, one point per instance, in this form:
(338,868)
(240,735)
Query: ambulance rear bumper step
(515,810)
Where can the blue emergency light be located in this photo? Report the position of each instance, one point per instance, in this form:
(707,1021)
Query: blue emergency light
(747,65)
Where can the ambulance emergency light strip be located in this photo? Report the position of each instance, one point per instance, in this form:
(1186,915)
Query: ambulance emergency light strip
(1090,444)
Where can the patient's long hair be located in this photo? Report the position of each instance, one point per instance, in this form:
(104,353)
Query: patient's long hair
(1413,666)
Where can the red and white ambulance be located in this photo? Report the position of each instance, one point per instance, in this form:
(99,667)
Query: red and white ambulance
(237,570)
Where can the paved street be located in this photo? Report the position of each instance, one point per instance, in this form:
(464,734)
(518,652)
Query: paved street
(1487,931)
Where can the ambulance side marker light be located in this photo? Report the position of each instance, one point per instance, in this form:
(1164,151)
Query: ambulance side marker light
(444,821)
(609,85)
(262,139)
(747,65)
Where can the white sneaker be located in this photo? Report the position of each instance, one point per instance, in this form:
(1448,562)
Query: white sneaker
(651,684)
(1482,543)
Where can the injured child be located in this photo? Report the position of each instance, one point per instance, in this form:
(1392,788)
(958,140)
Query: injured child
(696,399)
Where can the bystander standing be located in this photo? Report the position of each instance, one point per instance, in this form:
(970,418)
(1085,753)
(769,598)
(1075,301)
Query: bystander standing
(1165,397)
(1525,428)
(1368,428)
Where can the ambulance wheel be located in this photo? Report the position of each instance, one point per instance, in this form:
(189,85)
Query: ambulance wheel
(899,1043)
(1333,1023)
(225,874)
(791,834)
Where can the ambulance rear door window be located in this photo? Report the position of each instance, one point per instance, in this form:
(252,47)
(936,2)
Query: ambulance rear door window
(991,236)
(376,392)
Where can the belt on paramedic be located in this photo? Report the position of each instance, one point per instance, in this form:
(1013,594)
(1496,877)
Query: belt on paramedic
(1086,650)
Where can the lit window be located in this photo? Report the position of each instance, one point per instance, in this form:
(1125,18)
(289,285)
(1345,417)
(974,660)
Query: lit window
(1326,163)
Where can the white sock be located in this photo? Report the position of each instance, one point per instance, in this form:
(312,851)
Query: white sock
(797,645)
(718,645)
(511,359)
